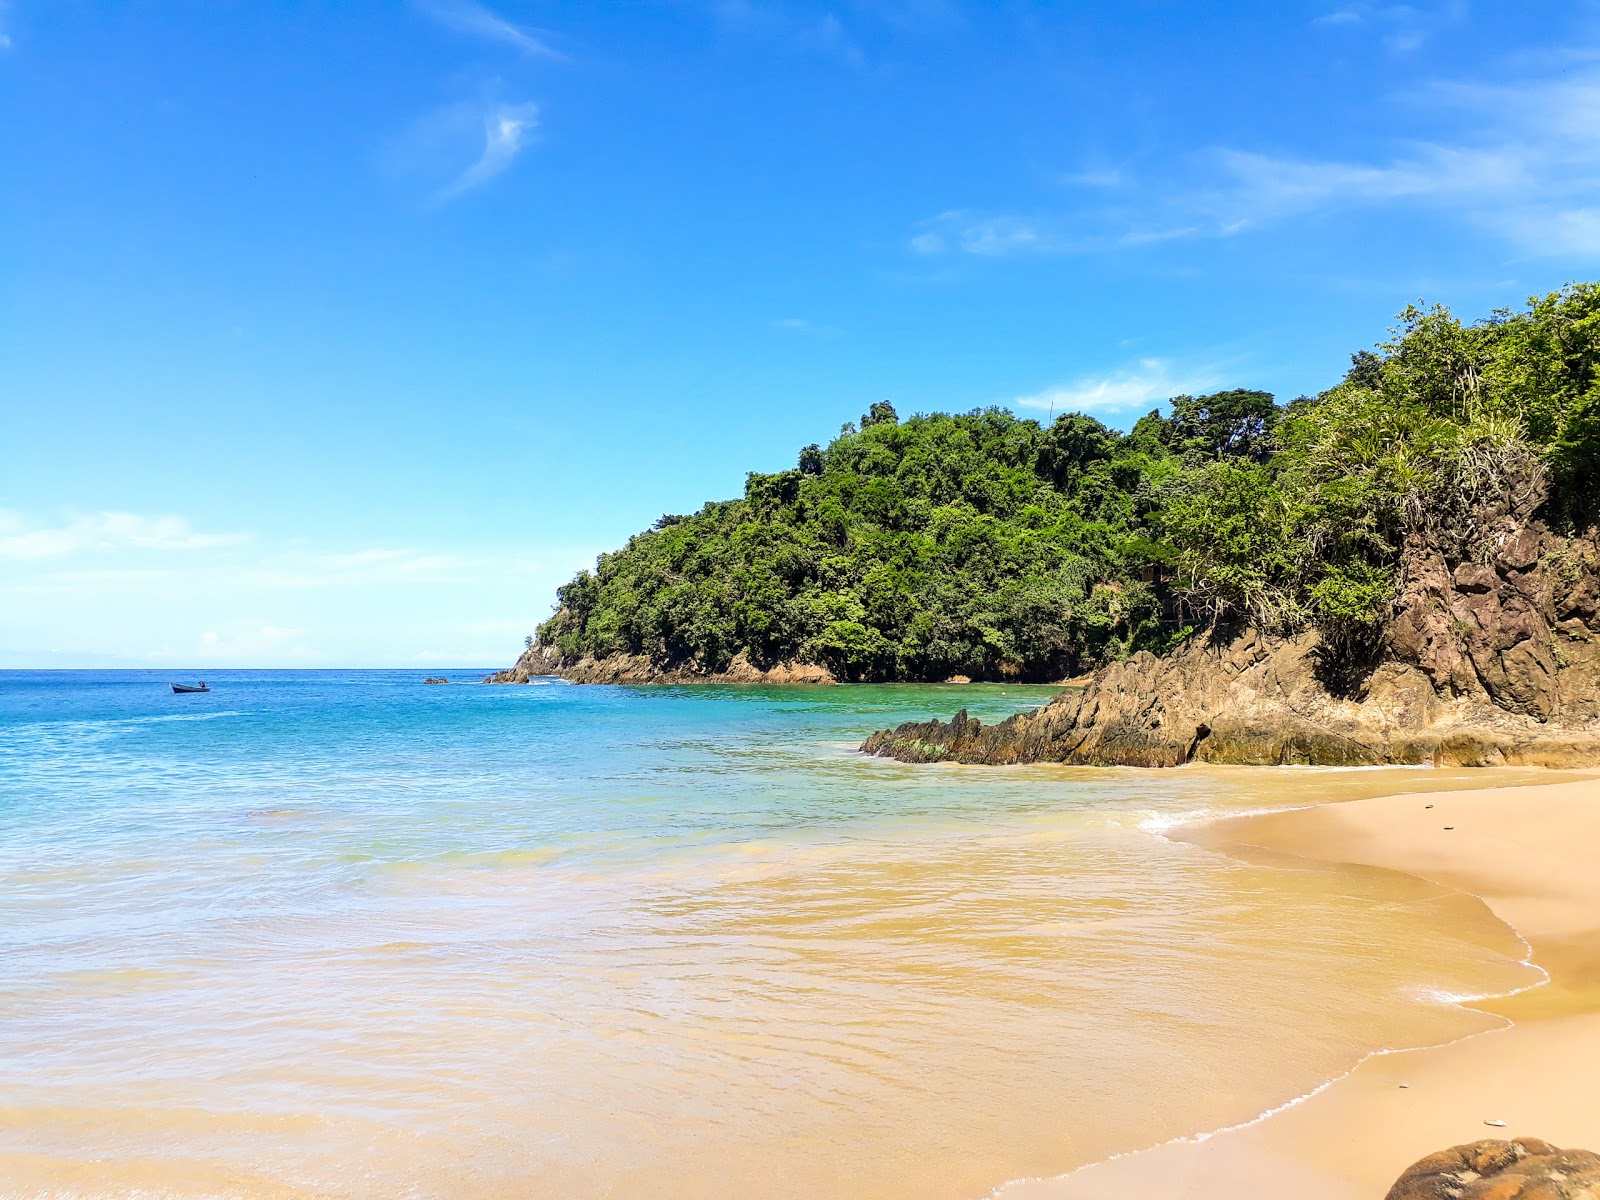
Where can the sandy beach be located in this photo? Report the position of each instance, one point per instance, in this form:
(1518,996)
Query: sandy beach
(1526,852)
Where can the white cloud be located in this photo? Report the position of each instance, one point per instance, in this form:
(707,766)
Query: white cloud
(986,236)
(780,26)
(392,564)
(116,588)
(826,36)
(104,532)
(460,146)
(1142,386)
(505,131)
(1404,27)
(1098,177)
(1529,172)
(1341,16)
(802,325)
(464,16)
(1521,162)
(1563,232)
(1262,185)
(1005,236)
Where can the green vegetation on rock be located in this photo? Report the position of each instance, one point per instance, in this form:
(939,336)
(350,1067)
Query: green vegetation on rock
(1445,422)
(987,545)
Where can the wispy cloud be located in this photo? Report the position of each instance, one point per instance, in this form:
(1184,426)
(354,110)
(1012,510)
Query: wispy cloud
(1134,388)
(104,532)
(1339,16)
(394,563)
(1522,164)
(101,588)
(1096,177)
(1401,28)
(1264,186)
(465,16)
(784,27)
(462,146)
(987,236)
(505,133)
(5,34)
(1529,171)
(802,325)
(826,36)
(1005,236)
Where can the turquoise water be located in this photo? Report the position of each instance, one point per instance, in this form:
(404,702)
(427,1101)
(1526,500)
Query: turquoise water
(342,934)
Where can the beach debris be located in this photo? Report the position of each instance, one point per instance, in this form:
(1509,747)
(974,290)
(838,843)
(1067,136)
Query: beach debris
(1427,806)
(1405,1085)
(1449,826)
(1492,1169)
(1496,1124)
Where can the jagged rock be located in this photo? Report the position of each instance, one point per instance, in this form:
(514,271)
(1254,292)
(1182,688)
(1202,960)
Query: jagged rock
(1482,663)
(435,679)
(1523,1169)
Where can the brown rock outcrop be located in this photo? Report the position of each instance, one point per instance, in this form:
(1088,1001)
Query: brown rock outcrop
(1523,1169)
(538,661)
(1490,657)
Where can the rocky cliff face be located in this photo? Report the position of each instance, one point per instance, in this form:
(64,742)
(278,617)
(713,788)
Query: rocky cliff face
(629,668)
(1492,656)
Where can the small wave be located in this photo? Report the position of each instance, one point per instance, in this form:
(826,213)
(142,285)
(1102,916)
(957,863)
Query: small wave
(1160,823)
(1152,822)
(61,735)
(215,716)
(1433,995)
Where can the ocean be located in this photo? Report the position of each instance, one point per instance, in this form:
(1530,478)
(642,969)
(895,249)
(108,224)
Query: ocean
(340,934)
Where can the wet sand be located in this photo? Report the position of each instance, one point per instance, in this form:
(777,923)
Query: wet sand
(1529,854)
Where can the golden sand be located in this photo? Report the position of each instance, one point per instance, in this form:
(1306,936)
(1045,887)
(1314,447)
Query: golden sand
(1529,854)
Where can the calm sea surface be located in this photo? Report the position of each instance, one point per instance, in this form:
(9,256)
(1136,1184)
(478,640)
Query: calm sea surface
(337,934)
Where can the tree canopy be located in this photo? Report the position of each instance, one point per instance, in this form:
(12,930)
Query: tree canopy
(989,545)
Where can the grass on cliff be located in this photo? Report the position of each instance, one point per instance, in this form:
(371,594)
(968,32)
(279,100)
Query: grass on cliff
(987,545)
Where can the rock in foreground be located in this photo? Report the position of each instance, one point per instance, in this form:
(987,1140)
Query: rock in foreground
(1524,1169)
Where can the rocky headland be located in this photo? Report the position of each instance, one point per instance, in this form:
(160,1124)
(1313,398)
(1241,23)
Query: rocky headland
(1491,655)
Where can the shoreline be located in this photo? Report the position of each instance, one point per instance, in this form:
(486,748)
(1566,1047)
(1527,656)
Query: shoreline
(1526,853)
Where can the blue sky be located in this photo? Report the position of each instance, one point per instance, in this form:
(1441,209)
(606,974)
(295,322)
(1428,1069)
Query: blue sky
(341,333)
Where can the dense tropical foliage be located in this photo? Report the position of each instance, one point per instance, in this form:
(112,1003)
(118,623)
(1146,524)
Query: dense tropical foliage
(987,545)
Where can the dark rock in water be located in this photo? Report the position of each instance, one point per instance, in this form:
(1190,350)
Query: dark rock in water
(435,679)
(1487,660)
(1523,1169)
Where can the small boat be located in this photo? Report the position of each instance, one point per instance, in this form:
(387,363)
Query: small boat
(191,687)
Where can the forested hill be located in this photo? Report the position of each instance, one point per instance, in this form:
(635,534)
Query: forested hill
(986,545)
(977,544)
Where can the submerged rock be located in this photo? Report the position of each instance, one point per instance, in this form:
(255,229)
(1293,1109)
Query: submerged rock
(1524,1169)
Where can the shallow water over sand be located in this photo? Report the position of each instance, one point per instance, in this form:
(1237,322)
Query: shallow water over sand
(338,934)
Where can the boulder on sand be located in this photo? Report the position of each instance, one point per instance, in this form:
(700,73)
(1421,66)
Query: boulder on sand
(1522,1169)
